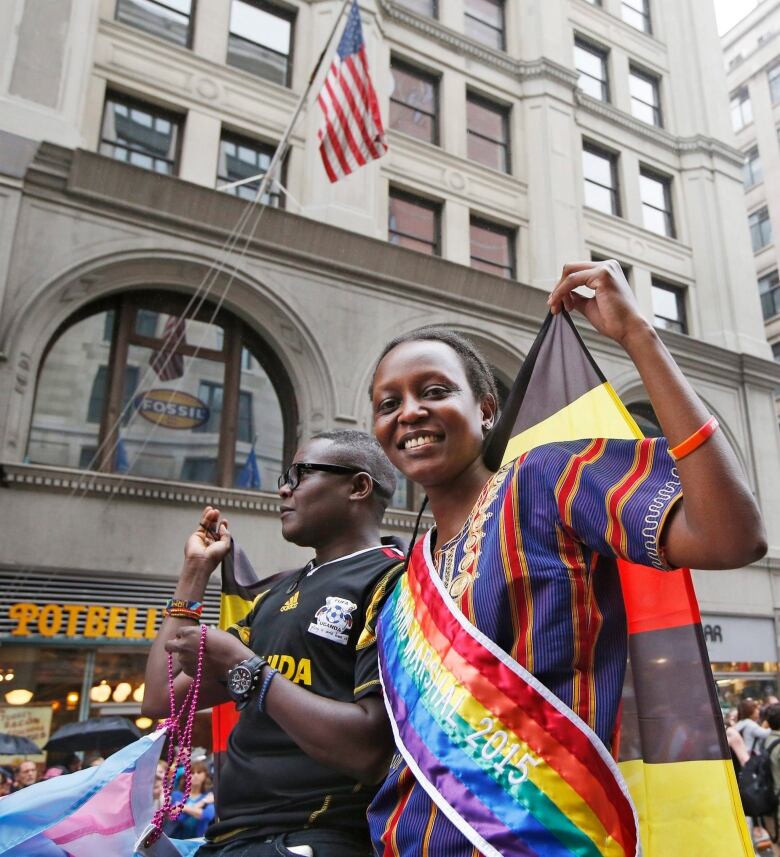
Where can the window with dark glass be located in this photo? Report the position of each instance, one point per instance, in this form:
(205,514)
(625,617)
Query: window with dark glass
(484,21)
(140,134)
(656,195)
(487,129)
(637,14)
(599,169)
(760,229)
(645,417)
(428,8)
(260,39)
(492,248)
(741,108)
(179,400)
(414,102)
(669,306)
(774,83)
(414,222)
(591,63)
(168,19)
(752,173)
(769,291)
(241,158)
(594,2)
(645,96)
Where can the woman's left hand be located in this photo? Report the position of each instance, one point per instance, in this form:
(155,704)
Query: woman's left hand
(612,310)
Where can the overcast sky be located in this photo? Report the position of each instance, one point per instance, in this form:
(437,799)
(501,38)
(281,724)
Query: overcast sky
(730,12)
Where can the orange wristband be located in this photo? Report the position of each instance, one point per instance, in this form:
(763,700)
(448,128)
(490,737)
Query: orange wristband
(692,443)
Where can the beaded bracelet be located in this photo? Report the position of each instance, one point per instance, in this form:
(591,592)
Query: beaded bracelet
(692,443)
(179,608)
(264,689)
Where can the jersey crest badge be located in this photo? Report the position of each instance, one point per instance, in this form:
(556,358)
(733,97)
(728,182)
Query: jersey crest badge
(334,620)
(291,603)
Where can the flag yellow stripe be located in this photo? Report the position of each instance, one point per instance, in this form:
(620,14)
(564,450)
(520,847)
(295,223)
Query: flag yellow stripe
(702,804)
(597,413)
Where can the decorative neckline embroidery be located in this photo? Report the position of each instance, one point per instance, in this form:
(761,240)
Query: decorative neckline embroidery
(457,583)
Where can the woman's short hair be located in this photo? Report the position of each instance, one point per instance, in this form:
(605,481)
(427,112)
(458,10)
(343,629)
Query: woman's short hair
(478,371)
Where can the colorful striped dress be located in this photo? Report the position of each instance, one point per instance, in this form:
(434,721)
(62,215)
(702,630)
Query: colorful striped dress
(533,569)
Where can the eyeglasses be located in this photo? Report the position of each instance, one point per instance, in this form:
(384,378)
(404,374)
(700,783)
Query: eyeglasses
(292,476)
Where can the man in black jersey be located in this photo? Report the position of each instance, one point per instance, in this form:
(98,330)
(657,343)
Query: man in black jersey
(313,739)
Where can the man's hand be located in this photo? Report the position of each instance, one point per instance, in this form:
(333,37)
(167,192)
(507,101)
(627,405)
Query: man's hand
(222,652)
(209,544)
(612,310)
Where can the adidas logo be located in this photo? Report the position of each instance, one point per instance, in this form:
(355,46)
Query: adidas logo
(291,603)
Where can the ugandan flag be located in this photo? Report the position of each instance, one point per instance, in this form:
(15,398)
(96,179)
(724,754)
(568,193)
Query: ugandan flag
(671,744)
(240,585)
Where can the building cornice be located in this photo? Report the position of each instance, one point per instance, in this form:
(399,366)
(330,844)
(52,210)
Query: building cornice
(82,483)
(432,29)
(109,188)
(697,144)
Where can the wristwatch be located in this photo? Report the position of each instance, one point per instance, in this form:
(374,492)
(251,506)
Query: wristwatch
(243,678)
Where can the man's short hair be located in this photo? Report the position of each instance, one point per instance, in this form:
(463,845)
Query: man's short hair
(358,449)
(772,715)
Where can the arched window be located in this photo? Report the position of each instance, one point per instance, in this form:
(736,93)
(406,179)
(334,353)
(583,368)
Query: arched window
(128,386)
(645,418)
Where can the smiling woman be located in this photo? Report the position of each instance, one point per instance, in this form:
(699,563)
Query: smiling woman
(523,559)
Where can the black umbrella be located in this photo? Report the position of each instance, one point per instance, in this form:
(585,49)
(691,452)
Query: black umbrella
(16,745)
(99,733)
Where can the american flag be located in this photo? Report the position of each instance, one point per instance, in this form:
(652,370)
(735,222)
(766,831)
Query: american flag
(351,133)
(166,362)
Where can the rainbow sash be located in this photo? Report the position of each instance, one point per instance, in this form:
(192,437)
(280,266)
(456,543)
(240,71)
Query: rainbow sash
(508,763)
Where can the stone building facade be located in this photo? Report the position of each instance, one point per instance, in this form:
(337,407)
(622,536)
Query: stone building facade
(751,51)
(522,134)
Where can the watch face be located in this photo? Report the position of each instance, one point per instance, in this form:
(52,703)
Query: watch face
(240,680)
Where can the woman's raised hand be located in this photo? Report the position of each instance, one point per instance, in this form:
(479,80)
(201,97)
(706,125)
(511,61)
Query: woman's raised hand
(209,544)
(612,309)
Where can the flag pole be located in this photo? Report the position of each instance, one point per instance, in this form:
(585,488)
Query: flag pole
(284,143)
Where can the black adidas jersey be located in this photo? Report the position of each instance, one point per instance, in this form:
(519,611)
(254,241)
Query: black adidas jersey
(316,626)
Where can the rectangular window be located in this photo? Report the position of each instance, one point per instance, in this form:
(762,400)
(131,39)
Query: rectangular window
(637,14)
(140,134)
(487,130)
(492,248)
(414,223)
(428,8)
(669,306)
(212,395)
(752,173)
(655,192)
(769,291)
(167,19)
(414,102)
(774,83)
(97,396)
(599,169)
(741,108)
(594,2)
(645,96)
(260,39)
(241,158)
(760,229)
(591,63)
(484,21)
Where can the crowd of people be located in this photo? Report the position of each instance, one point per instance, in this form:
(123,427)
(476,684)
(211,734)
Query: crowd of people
(751,729)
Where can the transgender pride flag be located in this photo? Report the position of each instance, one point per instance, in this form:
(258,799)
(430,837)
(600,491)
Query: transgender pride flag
(96,812)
